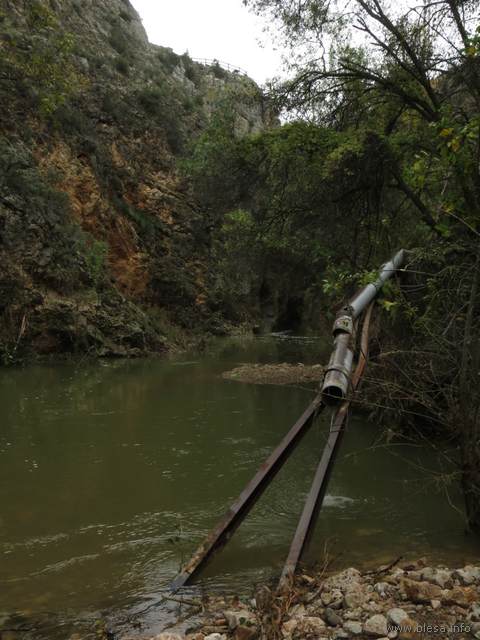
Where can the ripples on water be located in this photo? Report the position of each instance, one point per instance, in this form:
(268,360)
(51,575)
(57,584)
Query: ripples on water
(111,474)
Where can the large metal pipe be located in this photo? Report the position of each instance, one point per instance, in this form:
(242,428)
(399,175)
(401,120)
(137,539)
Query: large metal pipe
(336,383)
(362,299)
(337,376)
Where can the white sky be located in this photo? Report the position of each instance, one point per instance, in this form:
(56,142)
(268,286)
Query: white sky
(221,29)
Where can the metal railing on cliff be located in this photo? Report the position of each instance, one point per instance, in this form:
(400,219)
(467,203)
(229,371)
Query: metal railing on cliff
(223,65)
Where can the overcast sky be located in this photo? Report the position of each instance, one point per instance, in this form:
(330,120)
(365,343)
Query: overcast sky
(221,29)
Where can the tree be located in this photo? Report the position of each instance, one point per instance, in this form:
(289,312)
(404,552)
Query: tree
(409,77)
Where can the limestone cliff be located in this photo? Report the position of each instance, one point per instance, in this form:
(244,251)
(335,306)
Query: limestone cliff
(102,246)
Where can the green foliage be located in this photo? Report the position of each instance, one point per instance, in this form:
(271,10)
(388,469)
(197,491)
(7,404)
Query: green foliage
(70,119)
(119,39)
(162,104)
(153,100)
(168,58)
(48,246)
(191,69)
(95,255)
(41,60)
(218,72)
(122,65)
(405,101)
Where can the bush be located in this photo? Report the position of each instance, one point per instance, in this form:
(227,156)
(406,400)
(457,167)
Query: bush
(218,71)
(166,109)
(169,59)
(40,61)
(95,255)
(71,120)
(152,99)
(119,40)
(191,69)
(122,66)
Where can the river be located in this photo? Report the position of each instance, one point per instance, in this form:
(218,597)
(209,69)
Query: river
(112,472)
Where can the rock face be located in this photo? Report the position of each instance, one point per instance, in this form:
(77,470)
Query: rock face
(102,246)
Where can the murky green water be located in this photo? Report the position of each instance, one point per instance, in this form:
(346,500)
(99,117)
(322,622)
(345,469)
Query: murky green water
(111,473)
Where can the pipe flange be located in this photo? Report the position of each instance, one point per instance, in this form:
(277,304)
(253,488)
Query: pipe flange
(344,324)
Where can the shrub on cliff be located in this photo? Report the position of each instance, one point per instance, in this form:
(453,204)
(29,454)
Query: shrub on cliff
(38,64)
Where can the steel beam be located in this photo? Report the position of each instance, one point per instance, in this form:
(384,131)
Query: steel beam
(245,501)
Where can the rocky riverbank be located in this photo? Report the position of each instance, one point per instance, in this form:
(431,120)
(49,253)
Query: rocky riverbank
(281,373)
(408,601)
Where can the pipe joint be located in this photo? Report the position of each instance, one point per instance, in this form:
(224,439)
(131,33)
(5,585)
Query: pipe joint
(336,382)
(343,324)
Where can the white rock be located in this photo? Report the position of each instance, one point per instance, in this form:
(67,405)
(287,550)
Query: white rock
(173,636)
(337,599)
(440,577)
(353,614)
(397,573)
(216,636)
(353,627)
(468,575)
(298,611)
(340,633)
(397,616)
(310,624)
(382,588)
(475,613)
(343,580)
(376,626)
(354,596)
(436,604)
(289,627)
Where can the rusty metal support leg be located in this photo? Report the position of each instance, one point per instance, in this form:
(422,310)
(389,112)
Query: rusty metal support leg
(315,497)
(320,481)
(242,505)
